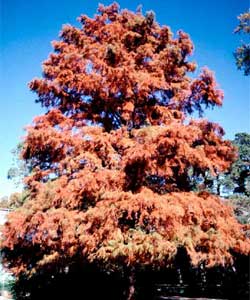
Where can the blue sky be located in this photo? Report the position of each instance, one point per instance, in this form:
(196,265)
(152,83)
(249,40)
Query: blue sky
(28,27)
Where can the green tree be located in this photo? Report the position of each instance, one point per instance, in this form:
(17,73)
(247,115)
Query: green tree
(240,171)
(239,178)
(19,168)
(4,202)
(242,53)
(234,184)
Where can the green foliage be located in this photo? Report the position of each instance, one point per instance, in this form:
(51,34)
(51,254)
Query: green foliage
(19,167)
(237,181)
(14,201)
(244,23)
(7,282)
(240,171)
(241,204)
(239,178)
(242,56)
(242,53)
(17,199)
(234,184)
(4,202)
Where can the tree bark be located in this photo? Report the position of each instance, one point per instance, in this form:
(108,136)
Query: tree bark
(131,284)
(218,185)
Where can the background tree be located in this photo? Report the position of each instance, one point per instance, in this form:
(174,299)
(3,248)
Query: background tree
(19,168)
(17,199)
(4,202)
(111,159)
(239,178)
(16,174)
(242,53)
(235,183)
(240,170)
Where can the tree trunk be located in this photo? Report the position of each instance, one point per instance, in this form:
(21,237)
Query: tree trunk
(218,185)
(131,284)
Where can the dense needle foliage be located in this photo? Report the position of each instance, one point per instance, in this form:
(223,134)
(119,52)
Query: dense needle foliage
(114,158)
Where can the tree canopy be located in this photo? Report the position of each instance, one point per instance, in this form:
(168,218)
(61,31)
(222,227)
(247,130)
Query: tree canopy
(113,159)
(242,53)
(240,173)
(238,179)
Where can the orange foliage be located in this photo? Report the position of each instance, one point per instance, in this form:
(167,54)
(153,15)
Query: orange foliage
(111,159)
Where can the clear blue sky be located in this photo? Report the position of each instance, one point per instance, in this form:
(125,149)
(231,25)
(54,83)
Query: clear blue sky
(27,27)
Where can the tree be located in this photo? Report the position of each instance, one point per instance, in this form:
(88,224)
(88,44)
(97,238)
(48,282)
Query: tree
(14,201)
(240,173)
(238,178)
(19,168)
(4,202)
(242,53)
(111,159)
(234,184)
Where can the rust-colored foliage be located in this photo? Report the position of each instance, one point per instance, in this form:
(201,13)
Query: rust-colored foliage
(114,157)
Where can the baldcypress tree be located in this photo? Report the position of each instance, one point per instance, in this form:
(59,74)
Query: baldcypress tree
(114,157)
